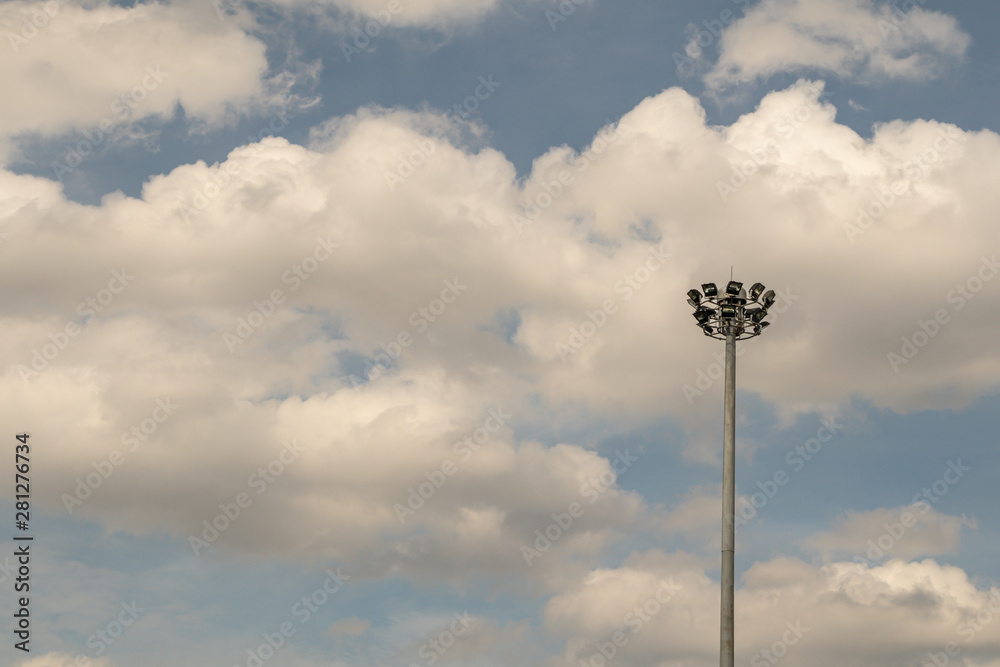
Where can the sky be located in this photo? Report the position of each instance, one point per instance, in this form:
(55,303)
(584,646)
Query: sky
(353,332)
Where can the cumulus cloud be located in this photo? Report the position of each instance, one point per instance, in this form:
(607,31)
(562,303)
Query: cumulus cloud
(906,532)
(423,12)
(375,294)
(72,66)
(894,614)
(866,40)
(443,15)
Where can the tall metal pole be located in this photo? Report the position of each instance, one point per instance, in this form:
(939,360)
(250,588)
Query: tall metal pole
(728,504)
(732,316)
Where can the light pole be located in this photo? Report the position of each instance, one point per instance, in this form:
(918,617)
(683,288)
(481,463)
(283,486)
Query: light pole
(730,317)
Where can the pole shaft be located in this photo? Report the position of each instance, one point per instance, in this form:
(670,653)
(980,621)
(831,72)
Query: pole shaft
(726,651)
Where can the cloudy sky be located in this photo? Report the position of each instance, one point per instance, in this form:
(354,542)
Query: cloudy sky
(353,332)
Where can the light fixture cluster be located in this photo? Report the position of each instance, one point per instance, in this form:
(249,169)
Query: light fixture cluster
(733,312)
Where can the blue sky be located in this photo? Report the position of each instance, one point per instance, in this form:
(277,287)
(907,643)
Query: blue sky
(262,274)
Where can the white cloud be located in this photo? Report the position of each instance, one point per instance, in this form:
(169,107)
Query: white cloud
(905,532)
(97,63)
(862,39)
(636,220)
(373,18)
(894,614)
(423,12)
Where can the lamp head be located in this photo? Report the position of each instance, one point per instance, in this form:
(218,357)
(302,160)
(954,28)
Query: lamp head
(703,315)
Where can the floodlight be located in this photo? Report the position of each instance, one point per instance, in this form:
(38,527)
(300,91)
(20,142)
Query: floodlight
(731,312)
(703,315)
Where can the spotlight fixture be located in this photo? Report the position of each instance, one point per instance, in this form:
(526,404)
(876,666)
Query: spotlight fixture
(703,315)
(732,311)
